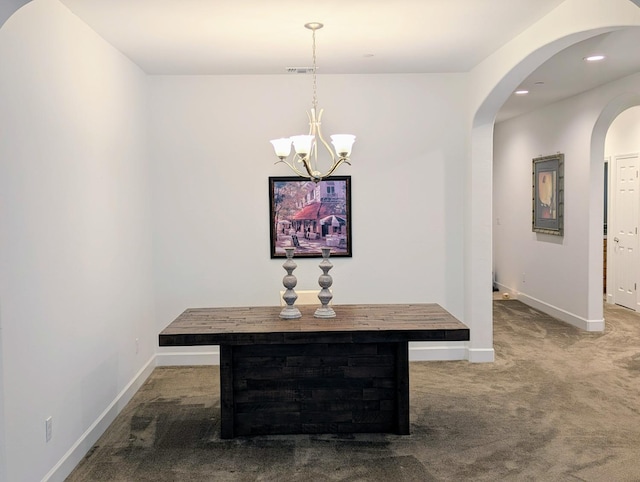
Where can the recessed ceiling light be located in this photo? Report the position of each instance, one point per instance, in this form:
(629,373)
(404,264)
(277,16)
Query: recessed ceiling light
(540,82)
(368,55)
(522,92)
(299,70)
(594,58)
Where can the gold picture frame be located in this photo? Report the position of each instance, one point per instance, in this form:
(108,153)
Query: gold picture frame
(548,195)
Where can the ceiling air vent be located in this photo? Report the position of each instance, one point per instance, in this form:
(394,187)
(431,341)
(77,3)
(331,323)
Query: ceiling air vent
(299,70)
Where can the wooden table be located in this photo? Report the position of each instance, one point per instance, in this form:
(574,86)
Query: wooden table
(343,375)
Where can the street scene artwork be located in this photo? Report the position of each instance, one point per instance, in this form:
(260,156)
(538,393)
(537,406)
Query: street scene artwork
(310,216)
(548,194)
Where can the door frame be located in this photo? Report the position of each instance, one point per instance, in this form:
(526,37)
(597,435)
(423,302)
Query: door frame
(612,220)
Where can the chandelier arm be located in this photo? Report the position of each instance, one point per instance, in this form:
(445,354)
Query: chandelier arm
(335,166)
(324,143)
(292,167)
(313,126)
(307,165)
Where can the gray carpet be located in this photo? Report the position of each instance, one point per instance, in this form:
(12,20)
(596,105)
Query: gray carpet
(559,404)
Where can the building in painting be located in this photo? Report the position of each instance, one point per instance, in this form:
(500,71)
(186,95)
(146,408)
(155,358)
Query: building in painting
(322,210)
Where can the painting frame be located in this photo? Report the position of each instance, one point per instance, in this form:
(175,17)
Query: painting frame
(309,216)
(548,195)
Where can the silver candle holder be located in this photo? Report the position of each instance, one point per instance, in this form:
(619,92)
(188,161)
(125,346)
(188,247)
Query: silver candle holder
(325,281)
(290,312)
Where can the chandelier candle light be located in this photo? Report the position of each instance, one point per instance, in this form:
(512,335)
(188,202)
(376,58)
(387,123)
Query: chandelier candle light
(306,146)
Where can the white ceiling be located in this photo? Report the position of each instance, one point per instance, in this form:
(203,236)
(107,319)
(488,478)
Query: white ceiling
(360,36)
(567,74)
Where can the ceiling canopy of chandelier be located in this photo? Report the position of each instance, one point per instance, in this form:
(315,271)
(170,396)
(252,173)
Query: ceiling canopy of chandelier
(305,160)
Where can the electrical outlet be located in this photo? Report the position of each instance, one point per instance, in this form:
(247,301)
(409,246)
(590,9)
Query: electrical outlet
(48,427)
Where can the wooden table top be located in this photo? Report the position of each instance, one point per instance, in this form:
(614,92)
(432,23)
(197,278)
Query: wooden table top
(353,323)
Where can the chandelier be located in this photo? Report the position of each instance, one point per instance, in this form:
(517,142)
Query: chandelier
(305,160)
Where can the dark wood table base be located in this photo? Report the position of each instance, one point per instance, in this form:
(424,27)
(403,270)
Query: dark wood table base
(315,388)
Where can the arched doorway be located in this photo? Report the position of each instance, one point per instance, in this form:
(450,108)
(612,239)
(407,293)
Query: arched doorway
(581,130)
(478,311)
(616,107)
(500,75)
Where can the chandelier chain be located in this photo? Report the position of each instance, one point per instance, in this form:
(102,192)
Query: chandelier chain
(306,146)
(315,83)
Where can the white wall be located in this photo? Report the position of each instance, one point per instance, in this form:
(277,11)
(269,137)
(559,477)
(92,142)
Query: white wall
(212,158)
(623,136)
(556,269)
(3,441)
(8,7)
(75,264)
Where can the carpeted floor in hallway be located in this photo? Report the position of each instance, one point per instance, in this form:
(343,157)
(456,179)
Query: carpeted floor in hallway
(558,404)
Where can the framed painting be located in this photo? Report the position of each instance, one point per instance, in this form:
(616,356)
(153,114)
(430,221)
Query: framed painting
(310,216)
(548,195)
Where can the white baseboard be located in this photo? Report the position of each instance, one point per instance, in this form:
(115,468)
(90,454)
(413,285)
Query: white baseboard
(180,359)
(437,353)
(416,353)
(482,355)
(567,317)
(505,289)
(74,455)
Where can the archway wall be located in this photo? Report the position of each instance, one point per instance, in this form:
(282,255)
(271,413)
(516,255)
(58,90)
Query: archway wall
(627,94)
(623,135)
(491,83)
(8,8)
(493,80)
(561,276)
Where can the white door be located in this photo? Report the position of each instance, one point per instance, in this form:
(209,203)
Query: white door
(625,233)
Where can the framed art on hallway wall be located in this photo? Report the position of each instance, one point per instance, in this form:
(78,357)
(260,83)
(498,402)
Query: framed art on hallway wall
(309,216)
(548,195)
